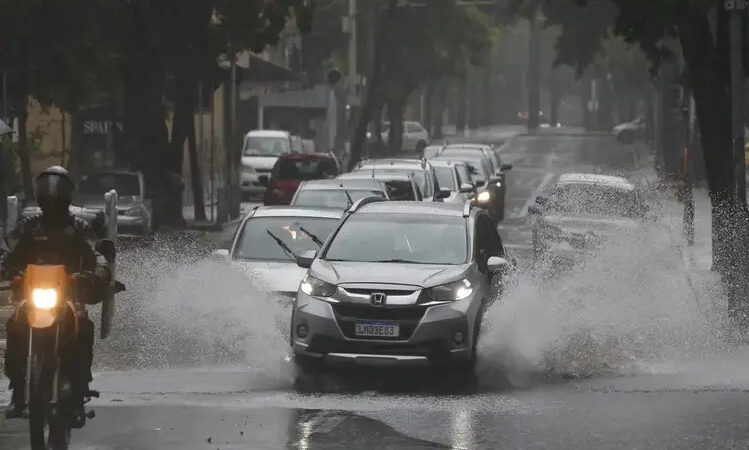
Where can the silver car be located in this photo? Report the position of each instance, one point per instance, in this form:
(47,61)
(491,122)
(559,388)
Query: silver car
(399,282)
(455,176)
(270,237)
(337,193)
(421,170)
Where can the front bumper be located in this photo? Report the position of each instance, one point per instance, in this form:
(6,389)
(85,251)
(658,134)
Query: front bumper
(426,333)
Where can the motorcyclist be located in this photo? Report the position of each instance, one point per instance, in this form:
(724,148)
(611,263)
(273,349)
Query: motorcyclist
(54,237)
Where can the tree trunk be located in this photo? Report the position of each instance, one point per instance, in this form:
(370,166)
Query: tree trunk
(439,108)
(709,84)
(196,175)
(428,105)
(460,101)
(370,98)
(395,136)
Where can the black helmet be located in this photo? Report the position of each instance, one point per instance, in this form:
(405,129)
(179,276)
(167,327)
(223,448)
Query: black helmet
(54,187)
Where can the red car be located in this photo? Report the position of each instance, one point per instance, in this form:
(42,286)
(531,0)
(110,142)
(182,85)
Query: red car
(292,169)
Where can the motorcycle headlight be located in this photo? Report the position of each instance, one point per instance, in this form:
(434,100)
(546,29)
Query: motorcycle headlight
(450,292)
(316,288)
(484,197)
(44,298)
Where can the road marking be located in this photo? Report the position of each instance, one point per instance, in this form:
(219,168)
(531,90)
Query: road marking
(545,182)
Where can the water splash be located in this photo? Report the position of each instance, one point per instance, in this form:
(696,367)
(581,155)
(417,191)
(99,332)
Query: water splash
(626,309)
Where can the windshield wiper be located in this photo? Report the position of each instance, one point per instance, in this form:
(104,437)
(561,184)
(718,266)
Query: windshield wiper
(397,260)
(348,197)
(314,238)
(283,245)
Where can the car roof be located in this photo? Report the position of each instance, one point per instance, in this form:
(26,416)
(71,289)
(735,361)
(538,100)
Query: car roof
(394,162)
(268,133)
(305,156)
(363,184)
(298,211)
(412,207)
(590,178)
(445,162)
(469,145)
(375,175)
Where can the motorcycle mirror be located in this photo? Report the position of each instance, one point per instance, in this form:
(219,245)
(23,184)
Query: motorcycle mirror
(107,249)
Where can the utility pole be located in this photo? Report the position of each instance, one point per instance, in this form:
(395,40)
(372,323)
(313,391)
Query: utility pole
(534,75)
(737,9)
(352,43)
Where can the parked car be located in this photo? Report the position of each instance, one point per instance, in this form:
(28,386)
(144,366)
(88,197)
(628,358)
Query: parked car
(269,238)
(399,282)
(455,176)
(414,135)
(297,146)
(260,151)
(134,209)
(490,187)
(338,193)
(400,186)
(431,151)
(291,169)
(579,212)
(421,171)
(629,132)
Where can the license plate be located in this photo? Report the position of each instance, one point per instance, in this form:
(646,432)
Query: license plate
(376,328)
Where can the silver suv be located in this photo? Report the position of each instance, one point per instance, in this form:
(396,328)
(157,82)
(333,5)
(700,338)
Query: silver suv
(399,282)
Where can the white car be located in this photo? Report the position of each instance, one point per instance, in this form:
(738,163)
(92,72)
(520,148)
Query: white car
(414,135)
(260,151)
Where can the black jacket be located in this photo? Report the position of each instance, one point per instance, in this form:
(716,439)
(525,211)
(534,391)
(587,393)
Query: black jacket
(38,243)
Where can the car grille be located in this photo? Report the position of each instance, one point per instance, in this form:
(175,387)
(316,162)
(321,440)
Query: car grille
(408,319)
(388,292)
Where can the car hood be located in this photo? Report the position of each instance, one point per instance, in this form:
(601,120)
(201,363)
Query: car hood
(283,277)
(424,275)
(259,162)
(584,223)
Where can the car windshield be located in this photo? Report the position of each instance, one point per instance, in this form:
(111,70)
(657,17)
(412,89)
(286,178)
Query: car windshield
(445,177)
(296,169)
(335,198)
(256,244)
(421,177)
(98,184)
(592,199)
(417,239)
(265,146)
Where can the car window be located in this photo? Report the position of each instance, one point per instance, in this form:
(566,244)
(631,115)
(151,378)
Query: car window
(445,177)
(463,175)
(421,177)
(335,198)
(418,239)
(297,169)
(588,198)
(413,128)
(493,160)
(400,190)
(487,241)
(255,244)
(265,146)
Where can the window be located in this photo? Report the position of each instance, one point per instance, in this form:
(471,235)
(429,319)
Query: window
(299,169)
(464,175)
(487,241)
(255,244)
(413,128)
(445,177)
(334,198)
(407,238)
(265,146)
(400,190)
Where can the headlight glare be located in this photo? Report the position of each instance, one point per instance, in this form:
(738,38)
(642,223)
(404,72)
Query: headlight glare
(316,288)
(450,292)
(484,197)
(44,298)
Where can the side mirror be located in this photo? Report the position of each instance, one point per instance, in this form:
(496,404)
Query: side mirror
(443,193)
(506,167)
(541,200)
(467,188)
(107,249)
(220,253)
(306,259)
(497,264)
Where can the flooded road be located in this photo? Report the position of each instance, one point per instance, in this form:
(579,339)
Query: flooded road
(630,350)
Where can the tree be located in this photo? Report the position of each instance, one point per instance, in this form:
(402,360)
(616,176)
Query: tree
(698,29)
(415,44)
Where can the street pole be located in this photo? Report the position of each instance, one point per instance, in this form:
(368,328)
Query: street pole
(737,9)
(234,206)
(352,69)
(5,96)
(534,76)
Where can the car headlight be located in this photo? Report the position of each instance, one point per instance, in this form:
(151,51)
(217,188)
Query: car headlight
(484,197)
(450,292)
(44,298)
(316,288)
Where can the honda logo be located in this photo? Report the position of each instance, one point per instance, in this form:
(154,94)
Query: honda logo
(378,298)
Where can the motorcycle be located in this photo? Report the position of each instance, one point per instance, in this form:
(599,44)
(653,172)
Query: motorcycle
(53,303)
